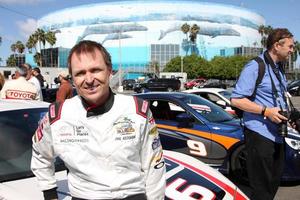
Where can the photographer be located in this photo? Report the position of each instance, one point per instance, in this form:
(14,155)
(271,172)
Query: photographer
(265,124)
(65,90)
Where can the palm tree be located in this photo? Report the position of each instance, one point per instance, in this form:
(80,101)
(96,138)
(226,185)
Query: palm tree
(264,31)
(20,47)
(31,43)
(193,36)
(185,28)
(296,51)
(13,48)
(51,39)
(40,35)
(11,61)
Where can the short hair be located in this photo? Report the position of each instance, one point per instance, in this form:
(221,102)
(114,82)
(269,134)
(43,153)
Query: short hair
(37,70)
(276,35)
(22,70)
(88,46)
(28,66)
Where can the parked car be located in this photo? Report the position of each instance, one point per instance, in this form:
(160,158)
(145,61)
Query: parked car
(158,84)
(294,88)
(186,176)
(195,82)
(219,96)
(128,84)
(193,125)
(214,84)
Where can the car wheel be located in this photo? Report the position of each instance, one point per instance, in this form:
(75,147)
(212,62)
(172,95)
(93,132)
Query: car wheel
(238,169)
(170,89)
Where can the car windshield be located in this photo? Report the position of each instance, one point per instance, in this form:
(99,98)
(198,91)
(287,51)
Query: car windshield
(16,130)
(226,94)
(208,110)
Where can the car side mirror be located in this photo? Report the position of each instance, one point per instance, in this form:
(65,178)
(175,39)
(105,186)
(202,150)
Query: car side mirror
(221,103)
(184,120)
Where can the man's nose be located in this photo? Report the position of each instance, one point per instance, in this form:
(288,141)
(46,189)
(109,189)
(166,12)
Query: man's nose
(89,77)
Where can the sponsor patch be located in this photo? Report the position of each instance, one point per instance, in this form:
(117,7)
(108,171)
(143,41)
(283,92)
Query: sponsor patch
(125,129)
(76,134)
(153,131)
(156,143)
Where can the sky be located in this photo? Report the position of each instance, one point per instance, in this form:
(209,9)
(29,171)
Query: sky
(18,18)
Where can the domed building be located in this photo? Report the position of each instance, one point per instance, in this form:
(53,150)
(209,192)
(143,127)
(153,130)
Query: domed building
(137,33)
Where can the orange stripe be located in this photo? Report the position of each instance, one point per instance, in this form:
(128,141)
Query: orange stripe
(227,142)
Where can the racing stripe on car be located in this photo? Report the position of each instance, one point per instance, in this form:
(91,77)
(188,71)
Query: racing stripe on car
(227,142)
(235,194)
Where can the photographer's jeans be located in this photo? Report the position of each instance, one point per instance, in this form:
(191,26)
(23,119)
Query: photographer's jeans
(265,163)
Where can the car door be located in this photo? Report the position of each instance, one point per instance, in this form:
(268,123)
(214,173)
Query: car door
(192,139)
(16,130)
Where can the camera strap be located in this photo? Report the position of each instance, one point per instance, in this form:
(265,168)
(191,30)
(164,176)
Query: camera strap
(276,71)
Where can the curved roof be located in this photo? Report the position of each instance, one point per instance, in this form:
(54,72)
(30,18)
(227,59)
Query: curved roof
(134,11)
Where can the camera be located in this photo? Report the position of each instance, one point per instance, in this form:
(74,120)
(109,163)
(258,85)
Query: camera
(282,128)
(295,119)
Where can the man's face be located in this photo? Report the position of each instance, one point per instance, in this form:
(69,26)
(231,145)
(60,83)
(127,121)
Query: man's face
(91,77)
(285,47)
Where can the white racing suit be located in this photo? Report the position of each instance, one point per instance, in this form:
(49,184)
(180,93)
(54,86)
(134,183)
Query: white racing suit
(109,156)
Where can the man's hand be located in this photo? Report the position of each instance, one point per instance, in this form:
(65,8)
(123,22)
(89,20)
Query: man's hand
(274,116)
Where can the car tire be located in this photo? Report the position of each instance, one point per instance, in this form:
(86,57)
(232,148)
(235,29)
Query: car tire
(169,89)
(238,169)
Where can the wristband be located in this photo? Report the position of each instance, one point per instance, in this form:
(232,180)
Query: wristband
(263,110)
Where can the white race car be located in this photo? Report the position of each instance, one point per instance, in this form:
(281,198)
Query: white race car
(219,96)
(187,177)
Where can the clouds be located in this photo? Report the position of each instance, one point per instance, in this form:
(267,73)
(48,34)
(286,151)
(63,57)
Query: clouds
(27,27)
(24,2)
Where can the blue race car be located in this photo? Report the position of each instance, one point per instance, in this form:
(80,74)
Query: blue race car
(193,125)
(186,177)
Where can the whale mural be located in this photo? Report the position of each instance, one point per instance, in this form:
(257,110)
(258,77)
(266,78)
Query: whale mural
(131,28)
(109,29)
(208,29)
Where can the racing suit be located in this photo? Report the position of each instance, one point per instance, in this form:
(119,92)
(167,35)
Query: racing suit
(19,89)
(112,151)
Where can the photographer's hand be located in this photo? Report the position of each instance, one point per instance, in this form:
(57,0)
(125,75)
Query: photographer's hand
(274,116)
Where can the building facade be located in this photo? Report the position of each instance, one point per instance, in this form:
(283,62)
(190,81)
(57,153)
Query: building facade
(137,33)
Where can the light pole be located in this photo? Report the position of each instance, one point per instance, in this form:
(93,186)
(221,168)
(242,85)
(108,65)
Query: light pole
(120,62)
(181,66)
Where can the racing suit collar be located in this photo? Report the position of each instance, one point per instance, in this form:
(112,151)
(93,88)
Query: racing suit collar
(98,110)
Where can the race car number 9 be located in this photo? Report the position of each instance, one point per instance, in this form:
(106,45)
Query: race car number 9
(188,192)
(197,148)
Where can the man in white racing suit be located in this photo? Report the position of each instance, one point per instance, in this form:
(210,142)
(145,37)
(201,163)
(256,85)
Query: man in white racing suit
(108,142)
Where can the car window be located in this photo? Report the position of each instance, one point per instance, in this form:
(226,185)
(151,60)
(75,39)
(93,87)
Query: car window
(165,110)
(213,98)
(16,130)
(207,109)
(226,94)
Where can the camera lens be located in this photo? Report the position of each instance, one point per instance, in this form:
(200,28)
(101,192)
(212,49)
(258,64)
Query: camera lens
(282,128)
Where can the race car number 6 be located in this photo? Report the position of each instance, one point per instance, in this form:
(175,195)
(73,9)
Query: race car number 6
(190,190)
(197,148)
